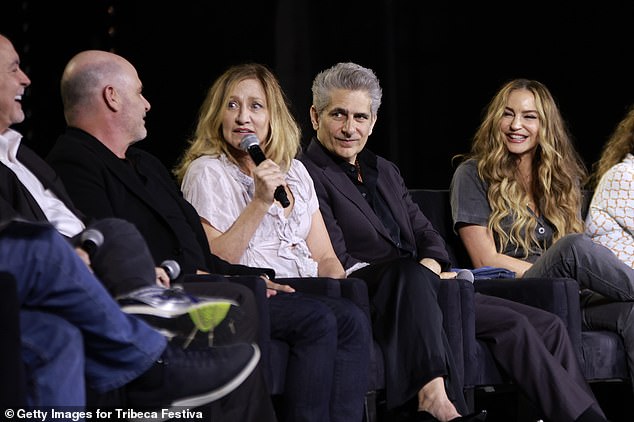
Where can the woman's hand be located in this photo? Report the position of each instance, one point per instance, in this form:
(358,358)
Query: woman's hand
(272,287)
(267,177)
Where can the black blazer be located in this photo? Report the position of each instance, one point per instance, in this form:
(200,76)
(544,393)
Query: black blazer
(140,190)
(356,232)
(15,199)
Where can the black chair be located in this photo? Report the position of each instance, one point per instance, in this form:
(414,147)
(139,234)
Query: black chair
(601,353)
(12,380)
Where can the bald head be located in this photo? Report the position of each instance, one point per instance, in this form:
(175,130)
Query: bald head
(13,83)
(102,95)
(85,77)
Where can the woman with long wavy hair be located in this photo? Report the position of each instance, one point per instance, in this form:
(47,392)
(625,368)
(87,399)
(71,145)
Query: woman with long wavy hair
(516,197)
(516,201)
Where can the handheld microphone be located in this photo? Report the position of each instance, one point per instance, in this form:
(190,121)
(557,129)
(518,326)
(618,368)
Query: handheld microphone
(251,144)
(90,240)
(172,268)
(465,275)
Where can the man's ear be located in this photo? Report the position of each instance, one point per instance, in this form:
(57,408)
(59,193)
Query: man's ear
(111,98)
(314,117)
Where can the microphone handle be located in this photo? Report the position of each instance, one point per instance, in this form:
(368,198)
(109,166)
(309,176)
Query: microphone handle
(256,153)
(280,195)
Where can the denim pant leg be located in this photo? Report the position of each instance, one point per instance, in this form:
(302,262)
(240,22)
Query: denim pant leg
(600,313)
(51,277)
(310,329)
(53,356)
(352,360)
(593,266)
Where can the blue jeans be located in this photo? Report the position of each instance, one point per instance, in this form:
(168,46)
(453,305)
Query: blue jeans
(117,347)
(327,372)
(594,266)
(53,350)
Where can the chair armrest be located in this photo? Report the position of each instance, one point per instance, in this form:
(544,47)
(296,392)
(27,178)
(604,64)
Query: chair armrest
(456,300)
(13,381)
(314,285)
(557,295)
(355,290)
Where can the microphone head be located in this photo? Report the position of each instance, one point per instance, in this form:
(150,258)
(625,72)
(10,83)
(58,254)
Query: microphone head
(248,141)
(90,240)
(172,268)
(92,235)
(465,275)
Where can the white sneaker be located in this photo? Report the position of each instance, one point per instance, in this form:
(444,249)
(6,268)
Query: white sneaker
(175,313)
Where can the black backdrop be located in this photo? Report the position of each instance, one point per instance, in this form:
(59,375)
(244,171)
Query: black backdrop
(439,63)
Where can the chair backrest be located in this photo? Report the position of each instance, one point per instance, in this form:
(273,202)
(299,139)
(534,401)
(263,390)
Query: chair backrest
(436,206)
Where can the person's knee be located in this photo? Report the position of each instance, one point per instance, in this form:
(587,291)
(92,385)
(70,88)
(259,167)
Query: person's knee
(415,280)
(354,322)
(318,322)
(49,337)
(572,242)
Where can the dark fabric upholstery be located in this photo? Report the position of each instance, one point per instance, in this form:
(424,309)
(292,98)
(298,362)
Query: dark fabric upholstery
(12,381)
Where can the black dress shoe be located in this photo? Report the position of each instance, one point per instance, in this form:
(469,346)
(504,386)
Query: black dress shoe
(472,417)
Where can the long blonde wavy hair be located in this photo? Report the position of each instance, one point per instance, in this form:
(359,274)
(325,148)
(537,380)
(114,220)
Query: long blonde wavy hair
(558,171)
(619,144)
(283,142)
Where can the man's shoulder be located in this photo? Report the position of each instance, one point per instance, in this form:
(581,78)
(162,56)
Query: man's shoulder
(146,156)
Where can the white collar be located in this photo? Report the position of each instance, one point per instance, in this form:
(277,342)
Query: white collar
(9,144)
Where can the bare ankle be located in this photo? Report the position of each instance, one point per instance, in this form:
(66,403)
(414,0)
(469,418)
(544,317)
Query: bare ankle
(432,398)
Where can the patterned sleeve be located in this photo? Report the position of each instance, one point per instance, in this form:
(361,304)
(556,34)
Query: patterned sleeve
(610,219)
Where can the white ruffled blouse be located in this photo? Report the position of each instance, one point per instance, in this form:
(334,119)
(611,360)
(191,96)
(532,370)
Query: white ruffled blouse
(219,192)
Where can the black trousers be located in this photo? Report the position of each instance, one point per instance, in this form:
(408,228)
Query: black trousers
(533,347)
(407,324)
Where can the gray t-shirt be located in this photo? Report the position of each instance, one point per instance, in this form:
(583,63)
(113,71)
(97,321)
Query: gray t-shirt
(470,205)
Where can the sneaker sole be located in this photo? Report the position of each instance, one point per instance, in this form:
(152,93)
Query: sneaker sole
(211,396)
(145,309)
(186,323)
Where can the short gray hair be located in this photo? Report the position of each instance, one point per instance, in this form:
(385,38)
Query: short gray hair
(349,76)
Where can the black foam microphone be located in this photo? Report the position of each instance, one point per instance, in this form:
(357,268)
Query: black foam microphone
(251,144)
(172,268)
(90,240)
